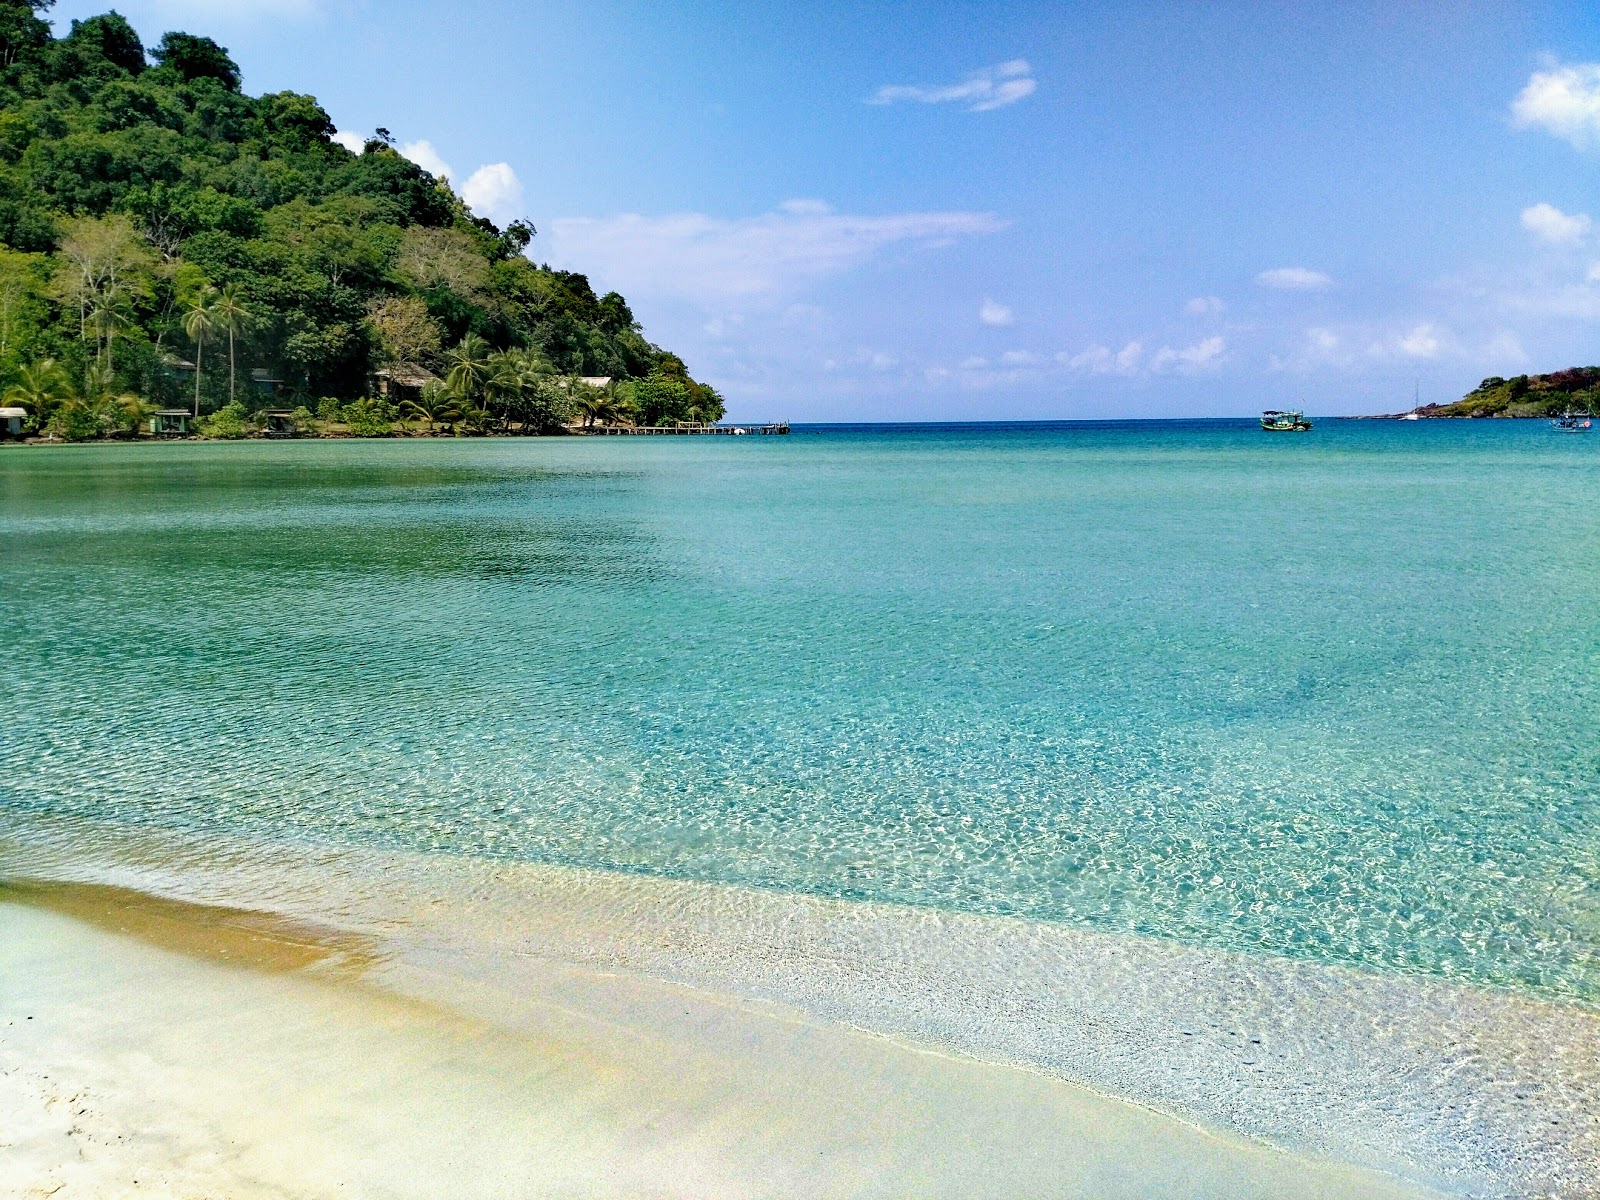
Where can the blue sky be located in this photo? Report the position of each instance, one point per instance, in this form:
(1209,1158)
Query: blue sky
(884,211)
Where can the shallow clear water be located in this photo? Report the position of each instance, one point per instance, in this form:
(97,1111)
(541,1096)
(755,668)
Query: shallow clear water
(1332,696)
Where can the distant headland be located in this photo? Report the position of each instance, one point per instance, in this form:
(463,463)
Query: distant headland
(1576,389)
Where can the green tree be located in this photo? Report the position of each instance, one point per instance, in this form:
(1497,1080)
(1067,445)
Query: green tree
(39,388)
(199,323)
(193,58)
(230,314)
(470,365)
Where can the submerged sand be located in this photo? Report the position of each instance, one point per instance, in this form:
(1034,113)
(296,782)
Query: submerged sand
(389,1024)
(243,1069)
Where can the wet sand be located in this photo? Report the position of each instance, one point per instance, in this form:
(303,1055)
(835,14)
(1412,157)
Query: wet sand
(150,1047)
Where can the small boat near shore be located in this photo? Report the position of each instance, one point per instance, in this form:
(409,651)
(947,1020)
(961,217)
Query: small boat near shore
(1571,422)
(1274,421)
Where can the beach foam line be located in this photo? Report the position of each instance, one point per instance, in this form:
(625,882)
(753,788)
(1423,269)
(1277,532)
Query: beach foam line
(1460,1089)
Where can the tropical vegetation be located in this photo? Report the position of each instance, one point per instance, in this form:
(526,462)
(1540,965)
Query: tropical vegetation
(1576,389)
(169,242)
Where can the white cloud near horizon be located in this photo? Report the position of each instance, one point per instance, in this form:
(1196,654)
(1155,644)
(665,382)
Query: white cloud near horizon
(992,312)
(989,89)
(1189,358)
(1294,279)
(1563,101)
(1549,224)
(428,158)
(352,142)
(494,191)
(1202,306)
(1132,360)
(718,261)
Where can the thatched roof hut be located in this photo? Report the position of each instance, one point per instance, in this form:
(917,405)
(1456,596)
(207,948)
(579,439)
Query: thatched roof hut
(400,380)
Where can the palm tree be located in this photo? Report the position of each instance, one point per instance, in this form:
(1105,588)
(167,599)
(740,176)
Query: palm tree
(40,387)
(108,311)
(597,405)
(435,404)
(108,408)
(230,313)
(469,366)
(199,322)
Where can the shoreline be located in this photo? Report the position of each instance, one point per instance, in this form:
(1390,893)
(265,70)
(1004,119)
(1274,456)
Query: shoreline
(170,1047)
(1449,1087)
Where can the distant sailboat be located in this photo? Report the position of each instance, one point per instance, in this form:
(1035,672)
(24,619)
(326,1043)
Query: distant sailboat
(1416,403)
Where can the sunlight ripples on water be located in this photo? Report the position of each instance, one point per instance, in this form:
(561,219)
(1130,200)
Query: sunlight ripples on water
(1333,697)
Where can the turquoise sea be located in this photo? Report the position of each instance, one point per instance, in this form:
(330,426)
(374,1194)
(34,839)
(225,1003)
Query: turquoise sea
(1334,696)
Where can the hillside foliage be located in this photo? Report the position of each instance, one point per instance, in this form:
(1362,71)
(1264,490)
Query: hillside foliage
(1576,388)
(153,217)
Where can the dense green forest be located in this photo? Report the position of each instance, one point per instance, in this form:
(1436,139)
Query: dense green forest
(1576,388)
(167,241)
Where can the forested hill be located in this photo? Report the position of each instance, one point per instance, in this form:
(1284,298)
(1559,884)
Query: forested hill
(1576,388)
(141,186)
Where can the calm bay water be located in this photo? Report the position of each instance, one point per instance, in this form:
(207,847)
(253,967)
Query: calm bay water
(1331,696)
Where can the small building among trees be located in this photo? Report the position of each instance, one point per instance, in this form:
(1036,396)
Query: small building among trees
(403,381)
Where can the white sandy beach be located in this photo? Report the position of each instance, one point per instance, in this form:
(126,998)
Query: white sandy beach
(131,1069)
(387,1024)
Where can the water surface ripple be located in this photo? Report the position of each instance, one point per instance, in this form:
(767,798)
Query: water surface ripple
(1331,697)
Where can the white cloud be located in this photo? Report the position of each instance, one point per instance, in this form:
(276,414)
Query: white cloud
(714,261)
(494,191)
(989,89)
(1019,358)
(1421,342)
(1191,358)
(1564,101)
(1101,360)
(974,363)
(425,156)
(352,142)
(1550,224)
(992,312)
(1294,279)
(1202,306)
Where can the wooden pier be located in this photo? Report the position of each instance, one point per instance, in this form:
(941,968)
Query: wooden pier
(779,427)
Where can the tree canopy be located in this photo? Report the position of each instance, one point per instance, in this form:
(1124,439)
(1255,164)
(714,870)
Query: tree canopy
(135,184)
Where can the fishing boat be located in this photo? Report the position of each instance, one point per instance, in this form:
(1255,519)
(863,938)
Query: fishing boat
(1284,422)
(1570,422)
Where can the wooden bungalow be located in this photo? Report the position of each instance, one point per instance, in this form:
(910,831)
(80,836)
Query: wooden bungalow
(403,381)
(280,423)
(170,422)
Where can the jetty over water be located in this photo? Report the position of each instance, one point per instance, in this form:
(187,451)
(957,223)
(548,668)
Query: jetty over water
(779,427)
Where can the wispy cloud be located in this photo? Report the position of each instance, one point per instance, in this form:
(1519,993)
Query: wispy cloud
(992,312)
(1102,360)
(1205,306)
(1294,279)
(989,89)
(1190,358)
(1549,224)
(1564,101)
(1423,341)
(716,261)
